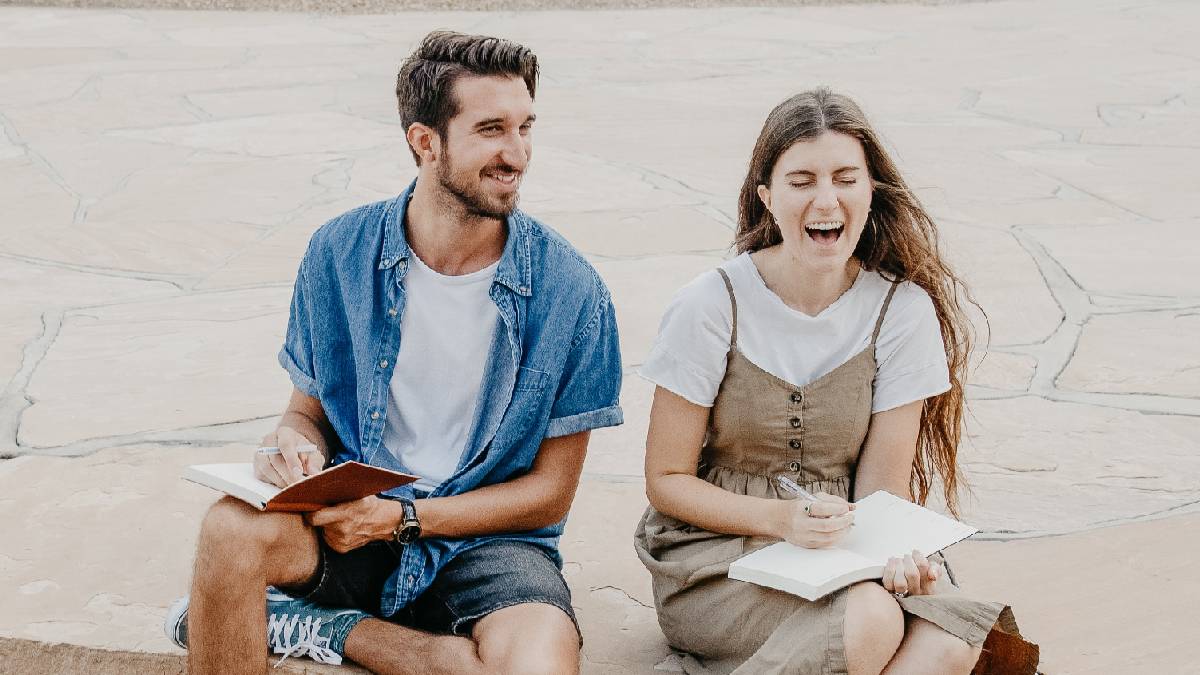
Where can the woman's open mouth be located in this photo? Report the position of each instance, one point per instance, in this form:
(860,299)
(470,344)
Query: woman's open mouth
(827,233)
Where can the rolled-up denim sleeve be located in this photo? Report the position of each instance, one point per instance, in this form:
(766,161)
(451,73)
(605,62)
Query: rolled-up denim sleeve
(296,355)
(589,391)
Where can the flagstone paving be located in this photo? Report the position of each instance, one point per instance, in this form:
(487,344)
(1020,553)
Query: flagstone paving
(161,172)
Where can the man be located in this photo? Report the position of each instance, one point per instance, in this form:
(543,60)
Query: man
(447,334)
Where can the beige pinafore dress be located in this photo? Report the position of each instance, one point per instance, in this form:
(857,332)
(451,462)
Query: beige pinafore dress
(762,426)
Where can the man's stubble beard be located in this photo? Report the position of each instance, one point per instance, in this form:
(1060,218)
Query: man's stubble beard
(473,201)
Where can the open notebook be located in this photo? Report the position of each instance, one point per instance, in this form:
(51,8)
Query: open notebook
(885,526)
(342,483)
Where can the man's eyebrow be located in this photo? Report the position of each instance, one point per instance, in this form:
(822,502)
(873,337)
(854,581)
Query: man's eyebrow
(488,122)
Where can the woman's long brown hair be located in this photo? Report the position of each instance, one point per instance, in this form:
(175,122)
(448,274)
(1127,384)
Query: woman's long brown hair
(900,241)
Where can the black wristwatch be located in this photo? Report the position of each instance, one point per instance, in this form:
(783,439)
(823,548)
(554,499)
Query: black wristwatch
(409,527)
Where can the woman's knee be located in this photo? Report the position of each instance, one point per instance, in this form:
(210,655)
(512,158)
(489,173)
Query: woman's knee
(873,628)
(935,645)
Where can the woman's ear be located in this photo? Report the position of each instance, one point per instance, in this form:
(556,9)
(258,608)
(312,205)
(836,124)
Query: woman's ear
(764,193)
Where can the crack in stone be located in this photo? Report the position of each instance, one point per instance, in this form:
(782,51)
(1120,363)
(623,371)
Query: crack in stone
(175,280)
(210,435)
(14,399)
(622,591)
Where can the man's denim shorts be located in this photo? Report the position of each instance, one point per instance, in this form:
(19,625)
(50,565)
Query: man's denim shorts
(474,584)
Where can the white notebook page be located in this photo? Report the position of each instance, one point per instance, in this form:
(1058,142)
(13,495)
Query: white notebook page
(885,526)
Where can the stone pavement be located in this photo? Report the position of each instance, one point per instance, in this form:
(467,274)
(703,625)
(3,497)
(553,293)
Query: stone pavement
(161,172)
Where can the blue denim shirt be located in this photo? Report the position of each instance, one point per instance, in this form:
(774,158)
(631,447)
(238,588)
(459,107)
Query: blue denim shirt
(554,366)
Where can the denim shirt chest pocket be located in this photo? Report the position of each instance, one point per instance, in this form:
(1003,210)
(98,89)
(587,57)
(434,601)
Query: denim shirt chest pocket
(526,400)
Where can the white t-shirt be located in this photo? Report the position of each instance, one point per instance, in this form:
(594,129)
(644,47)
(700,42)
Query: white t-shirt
(446,334)
(688,357)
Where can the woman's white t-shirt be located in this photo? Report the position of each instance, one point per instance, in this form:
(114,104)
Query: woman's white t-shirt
(689,355)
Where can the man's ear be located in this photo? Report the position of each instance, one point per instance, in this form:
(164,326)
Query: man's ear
(424,141)
(765,195)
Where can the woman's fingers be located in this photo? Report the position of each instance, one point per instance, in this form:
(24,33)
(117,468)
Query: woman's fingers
(889,573)
(899,581)
(912,576)
(827,506)
(831,524)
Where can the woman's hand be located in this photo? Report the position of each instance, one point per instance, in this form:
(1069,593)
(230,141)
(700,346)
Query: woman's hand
(911,575)
(815,524)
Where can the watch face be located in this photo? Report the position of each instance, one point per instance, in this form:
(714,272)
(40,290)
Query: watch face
(409,533)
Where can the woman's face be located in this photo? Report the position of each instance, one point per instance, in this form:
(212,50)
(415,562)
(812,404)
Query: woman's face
(820,194)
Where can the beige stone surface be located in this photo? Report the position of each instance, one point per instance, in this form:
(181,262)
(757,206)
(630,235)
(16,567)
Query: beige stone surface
(1114,601)
(1148,353)
(200,360)
(161,173)
(1040,467)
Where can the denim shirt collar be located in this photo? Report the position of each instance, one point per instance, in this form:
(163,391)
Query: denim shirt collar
(514,271)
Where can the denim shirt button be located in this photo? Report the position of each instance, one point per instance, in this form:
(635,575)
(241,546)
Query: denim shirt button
(392,311)
(375,415)
(383,363)
(411,580)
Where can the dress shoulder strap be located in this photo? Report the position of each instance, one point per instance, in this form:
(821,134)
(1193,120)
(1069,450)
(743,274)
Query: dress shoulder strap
(883,311)
(732,303)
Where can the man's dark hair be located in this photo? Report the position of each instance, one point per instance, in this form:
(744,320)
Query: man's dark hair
(425,84)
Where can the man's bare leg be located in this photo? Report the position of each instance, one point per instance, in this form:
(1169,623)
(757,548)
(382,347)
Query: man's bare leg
(240,552)
(532,639)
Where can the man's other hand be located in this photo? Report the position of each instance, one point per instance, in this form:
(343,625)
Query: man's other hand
(297,457)
(350,525)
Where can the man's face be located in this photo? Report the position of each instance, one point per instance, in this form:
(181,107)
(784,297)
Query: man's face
(487,145)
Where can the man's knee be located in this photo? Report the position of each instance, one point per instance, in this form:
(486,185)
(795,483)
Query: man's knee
(532,638)
(874,624)
(529,663)
(234,527)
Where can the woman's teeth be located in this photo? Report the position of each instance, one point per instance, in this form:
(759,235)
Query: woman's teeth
(825,233)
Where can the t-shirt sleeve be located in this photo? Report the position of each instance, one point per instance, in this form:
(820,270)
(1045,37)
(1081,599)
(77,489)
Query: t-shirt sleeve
(590,387)
(296,355)
(688,357)
(911,357)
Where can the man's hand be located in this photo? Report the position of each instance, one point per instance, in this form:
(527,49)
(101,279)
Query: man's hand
(350,525)
(298,457)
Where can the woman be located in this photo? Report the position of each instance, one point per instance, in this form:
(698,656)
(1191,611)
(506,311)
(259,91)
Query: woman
(831,351)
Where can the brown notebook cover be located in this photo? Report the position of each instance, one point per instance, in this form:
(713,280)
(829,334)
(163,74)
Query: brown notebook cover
(342,483)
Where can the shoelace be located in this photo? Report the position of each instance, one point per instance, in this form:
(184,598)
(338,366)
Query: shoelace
(293,635)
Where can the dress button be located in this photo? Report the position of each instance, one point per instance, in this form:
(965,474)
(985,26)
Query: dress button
(794,443)
(797,397)
(794,466)
(375,415)
(795,422)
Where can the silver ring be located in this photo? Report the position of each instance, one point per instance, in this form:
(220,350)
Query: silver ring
(899,595)
(807,508)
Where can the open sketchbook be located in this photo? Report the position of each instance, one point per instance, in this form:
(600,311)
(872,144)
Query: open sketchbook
(885,526)
(342,483)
